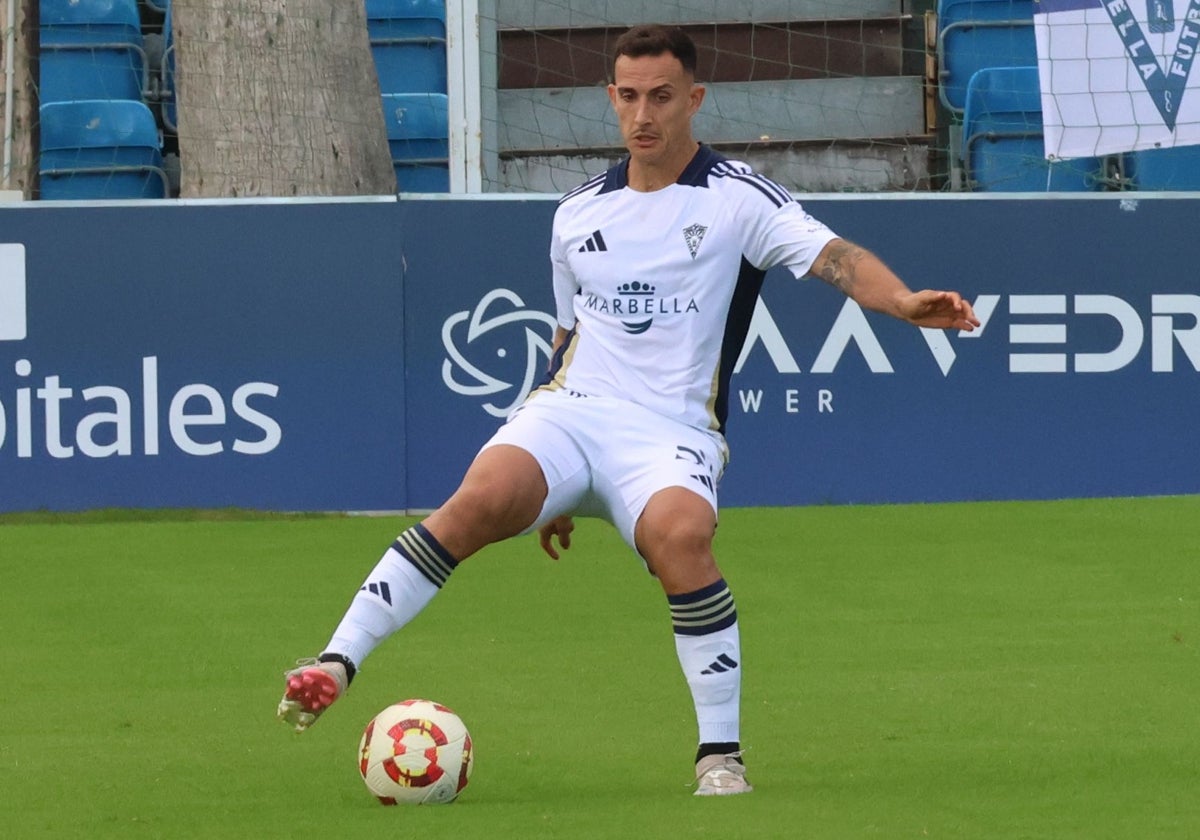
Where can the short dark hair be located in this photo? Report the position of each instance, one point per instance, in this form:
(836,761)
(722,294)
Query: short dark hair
(655,39)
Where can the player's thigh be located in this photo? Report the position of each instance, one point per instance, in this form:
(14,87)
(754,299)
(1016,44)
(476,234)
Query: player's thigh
(650,456)
(504,484)
(547,434)
(500,494)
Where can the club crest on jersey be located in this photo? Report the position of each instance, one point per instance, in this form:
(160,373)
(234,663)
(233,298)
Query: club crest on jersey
(693,234)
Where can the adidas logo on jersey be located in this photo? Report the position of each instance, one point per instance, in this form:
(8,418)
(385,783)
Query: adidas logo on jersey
(595,242)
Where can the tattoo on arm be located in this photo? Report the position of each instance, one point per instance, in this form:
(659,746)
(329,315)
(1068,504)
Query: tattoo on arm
(840,265)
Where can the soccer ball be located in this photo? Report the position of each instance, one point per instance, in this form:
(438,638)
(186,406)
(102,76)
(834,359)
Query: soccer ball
(415,752)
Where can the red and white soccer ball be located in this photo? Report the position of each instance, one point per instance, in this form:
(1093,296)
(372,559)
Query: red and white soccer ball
(415,752)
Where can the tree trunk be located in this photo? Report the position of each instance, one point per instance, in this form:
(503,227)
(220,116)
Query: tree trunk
(278,98)
(20,165)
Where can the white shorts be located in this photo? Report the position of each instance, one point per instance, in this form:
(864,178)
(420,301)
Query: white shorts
(606,457)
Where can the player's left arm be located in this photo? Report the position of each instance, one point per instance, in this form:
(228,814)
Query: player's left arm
(865,278)
(560,337)
(560,528)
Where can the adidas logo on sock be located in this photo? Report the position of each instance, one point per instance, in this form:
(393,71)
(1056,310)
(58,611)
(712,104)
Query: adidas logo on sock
(720,665)
(381,589)
(595,242)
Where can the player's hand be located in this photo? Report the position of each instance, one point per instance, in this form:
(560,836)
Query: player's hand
(940,310)
(559,529)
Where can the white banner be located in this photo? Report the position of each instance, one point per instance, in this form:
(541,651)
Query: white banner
(1116,75)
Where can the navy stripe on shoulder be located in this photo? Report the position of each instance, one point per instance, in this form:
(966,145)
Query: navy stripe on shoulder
(616,178)
(773,191)
(783,194)
(584,187)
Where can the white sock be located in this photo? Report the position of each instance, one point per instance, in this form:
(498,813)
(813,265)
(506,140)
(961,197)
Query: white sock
(709,649)
(402,583)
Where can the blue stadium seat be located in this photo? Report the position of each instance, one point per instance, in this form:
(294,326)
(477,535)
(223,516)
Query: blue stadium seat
(419,138)
(91,49)
(95,149)
(973,34)
(1176,168)
(1003,146)
(408,43)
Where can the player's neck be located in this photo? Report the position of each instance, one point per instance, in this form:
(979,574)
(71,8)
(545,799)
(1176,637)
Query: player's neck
(643,177)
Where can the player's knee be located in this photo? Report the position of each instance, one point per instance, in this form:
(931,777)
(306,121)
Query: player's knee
(679,555)
(675,536)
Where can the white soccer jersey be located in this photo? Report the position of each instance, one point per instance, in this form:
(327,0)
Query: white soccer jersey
(657,288)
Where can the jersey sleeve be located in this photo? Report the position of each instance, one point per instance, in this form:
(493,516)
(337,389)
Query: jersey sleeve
(784,235)
(566,287)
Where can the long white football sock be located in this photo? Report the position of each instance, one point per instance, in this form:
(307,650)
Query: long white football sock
(402,583)
(709,649)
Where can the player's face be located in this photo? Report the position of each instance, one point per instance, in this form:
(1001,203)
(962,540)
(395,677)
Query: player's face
(654,99)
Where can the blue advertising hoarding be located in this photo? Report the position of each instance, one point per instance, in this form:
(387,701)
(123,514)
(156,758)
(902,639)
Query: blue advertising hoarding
(353,355)
(204,356)
(1081,382)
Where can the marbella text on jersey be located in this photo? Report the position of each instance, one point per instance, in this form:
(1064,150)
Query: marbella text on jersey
(646,306)
(50,413)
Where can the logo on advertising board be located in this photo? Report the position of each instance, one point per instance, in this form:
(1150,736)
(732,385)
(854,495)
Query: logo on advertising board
(49,413)
(12,292)
(499,350)
(1043,338)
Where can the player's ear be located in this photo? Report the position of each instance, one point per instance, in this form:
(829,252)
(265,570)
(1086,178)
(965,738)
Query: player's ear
(612,94)
(696,96)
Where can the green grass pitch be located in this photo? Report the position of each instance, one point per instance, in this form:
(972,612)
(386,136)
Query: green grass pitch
(990,670)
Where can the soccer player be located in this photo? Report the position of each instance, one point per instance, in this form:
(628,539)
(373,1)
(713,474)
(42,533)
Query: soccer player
(656,267)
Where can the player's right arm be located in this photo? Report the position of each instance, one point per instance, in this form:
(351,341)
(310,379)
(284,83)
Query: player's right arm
(865,278)
(559,529)
(779,232)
